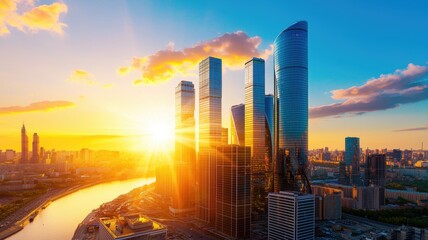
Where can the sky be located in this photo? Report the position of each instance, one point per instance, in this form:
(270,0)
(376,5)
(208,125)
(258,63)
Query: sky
(102,74)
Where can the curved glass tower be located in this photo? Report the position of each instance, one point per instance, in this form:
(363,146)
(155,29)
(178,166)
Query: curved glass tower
(291,92)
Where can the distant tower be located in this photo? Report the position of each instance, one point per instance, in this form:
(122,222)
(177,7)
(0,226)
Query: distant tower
(255,128)
(375,170)
(24,145)
(36,149)
(352,158)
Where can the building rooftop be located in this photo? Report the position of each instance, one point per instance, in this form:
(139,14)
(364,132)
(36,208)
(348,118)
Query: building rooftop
(135,224)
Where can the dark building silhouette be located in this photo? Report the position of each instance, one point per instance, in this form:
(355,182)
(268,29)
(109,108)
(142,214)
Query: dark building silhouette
(36,149)
(375,170)
(233,209)
(24,145)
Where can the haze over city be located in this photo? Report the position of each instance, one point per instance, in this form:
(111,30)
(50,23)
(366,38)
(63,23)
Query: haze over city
(81,78)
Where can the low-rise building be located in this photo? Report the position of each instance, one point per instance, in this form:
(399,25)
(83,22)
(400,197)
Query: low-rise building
(131,227)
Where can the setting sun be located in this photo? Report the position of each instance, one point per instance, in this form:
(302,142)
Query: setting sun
(161,135)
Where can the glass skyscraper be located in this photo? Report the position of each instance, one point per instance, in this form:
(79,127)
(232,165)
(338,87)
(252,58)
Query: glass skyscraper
(185,122)
(291,107)
(269,113)
(210,93)
(237,124)
(183,194)
(210,87)
(233,209)
(255,127)
(352,158)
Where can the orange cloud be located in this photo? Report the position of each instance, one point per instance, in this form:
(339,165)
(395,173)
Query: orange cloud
(81,76)
(35,107)
(24,16)
(84,77)
(233,48)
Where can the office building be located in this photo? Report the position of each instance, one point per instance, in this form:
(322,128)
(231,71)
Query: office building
(375,170)
(237,124)
(255,128)
(185,123)
(24,145)
(36,149)
(184,167)
(328,202)
(269,116)
(344,173)
(291,108)
(352,158)
(233,207)
(210,94)
(131,227)
(9,155)
(403,233)
(291,215)
(224,136)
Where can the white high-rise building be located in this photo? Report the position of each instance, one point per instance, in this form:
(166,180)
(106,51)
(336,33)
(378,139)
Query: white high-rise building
(291,215)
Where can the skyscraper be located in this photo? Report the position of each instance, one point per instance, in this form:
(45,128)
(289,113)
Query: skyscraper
(352,158)
(224,136)
(237,124)
(291,215)
(210,93)
(375,170)
(269,114)
(233,209)
(184,167)
(185,123)
(291,108)
(24,145)
(255,127)
(36,149)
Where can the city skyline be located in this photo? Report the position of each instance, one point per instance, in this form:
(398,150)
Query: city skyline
(345,68)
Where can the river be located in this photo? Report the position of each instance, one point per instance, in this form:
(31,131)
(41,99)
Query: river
(59,220)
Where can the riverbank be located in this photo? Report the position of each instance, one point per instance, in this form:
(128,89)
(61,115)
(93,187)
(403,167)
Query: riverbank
(17,221)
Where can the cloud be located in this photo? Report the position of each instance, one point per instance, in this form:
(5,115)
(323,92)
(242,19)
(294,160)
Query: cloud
(84,77)
(36,107)
(412,129)
(26,17)
(385,92)
(233,48)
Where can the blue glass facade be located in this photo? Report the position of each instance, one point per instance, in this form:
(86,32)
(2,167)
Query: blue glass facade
(210,94)
(237,124)
(291,90)
(269,113)
(352,158)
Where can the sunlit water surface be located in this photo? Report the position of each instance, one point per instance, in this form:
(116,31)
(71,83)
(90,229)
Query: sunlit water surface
(60,219)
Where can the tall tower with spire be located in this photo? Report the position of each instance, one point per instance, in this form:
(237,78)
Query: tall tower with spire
(24,145)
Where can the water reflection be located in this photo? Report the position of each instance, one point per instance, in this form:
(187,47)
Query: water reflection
(60,219)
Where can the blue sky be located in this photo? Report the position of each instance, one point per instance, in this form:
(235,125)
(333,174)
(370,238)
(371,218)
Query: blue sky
(350,42)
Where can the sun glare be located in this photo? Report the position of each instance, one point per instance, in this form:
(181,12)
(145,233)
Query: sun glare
(161,135)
